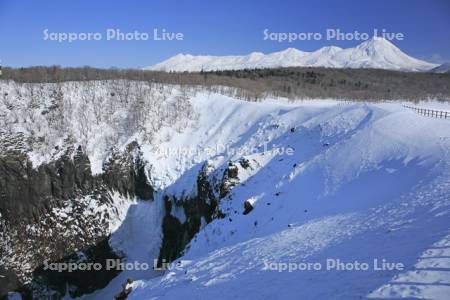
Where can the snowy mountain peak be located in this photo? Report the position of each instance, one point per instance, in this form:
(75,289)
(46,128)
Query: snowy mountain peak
(256,54)
(182,55)
(376,52)
(329,49)
(377,44)
(290,51)
(377,40)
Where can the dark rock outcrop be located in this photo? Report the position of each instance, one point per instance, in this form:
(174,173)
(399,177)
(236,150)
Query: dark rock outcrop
(125,172)
(211,188)
(26,192)
(79,281)
(230,179)
(8,281)
(46,213)
(204,205)
(248,207)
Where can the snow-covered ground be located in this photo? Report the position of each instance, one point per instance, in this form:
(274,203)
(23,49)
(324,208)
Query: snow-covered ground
(364,183)
(328,180)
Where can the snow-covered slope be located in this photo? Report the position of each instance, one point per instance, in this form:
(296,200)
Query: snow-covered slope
(364,182)
(444,68)
(374,53)
(325,179)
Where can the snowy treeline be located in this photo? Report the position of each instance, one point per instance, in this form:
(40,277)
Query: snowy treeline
(97,115)
(252,84)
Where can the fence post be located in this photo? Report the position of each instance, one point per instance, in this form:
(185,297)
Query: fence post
(429,112)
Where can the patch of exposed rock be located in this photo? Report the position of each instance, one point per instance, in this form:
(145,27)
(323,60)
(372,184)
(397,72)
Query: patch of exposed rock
(58,212)
(212,186)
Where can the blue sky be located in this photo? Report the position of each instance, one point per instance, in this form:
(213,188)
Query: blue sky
(209,27)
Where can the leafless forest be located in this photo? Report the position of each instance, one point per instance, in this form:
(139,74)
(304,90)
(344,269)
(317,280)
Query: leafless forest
(293,83)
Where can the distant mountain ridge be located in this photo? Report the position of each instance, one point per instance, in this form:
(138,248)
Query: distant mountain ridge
(374,53)
(444,68)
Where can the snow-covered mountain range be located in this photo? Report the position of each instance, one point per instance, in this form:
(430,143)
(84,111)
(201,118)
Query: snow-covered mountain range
(374,53)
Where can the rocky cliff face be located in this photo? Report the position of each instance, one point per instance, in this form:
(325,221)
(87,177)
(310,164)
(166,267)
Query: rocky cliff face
(212,186)
(52,206)
(125,172)
(27,193)
(60,212)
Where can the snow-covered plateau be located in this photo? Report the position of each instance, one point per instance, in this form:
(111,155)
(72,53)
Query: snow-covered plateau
(276,199)
(377,53)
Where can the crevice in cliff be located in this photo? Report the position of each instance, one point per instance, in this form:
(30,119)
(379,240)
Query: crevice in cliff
(212,186)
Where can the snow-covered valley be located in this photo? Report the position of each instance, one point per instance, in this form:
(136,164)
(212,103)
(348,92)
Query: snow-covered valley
(268,185)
